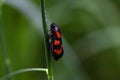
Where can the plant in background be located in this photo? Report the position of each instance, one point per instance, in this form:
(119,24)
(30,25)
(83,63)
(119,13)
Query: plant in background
(6,60)
(3,45)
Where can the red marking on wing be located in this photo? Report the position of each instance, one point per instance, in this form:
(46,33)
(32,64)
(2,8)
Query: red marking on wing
(56,42)
(58,34)
(58,52)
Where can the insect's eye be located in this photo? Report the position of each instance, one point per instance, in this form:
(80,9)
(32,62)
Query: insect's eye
(56,28)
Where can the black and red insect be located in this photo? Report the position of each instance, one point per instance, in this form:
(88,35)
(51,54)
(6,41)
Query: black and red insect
(56,41)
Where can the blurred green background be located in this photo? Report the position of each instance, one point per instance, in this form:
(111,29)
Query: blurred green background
(91,38)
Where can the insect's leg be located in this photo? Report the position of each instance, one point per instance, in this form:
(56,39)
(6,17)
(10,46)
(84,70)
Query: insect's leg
(50,41)
(51,46)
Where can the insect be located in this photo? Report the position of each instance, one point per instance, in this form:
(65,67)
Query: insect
(56,41)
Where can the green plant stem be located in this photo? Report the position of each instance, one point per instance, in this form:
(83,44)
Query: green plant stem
(3,45)
(45,30)
(22,71)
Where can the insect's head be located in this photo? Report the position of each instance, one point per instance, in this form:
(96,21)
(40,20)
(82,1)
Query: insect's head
(54,27)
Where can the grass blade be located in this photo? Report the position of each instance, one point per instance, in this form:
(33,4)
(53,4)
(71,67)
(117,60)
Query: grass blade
(45,30)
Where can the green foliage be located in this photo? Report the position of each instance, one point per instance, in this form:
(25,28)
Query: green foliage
(1,3)
(91,40)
